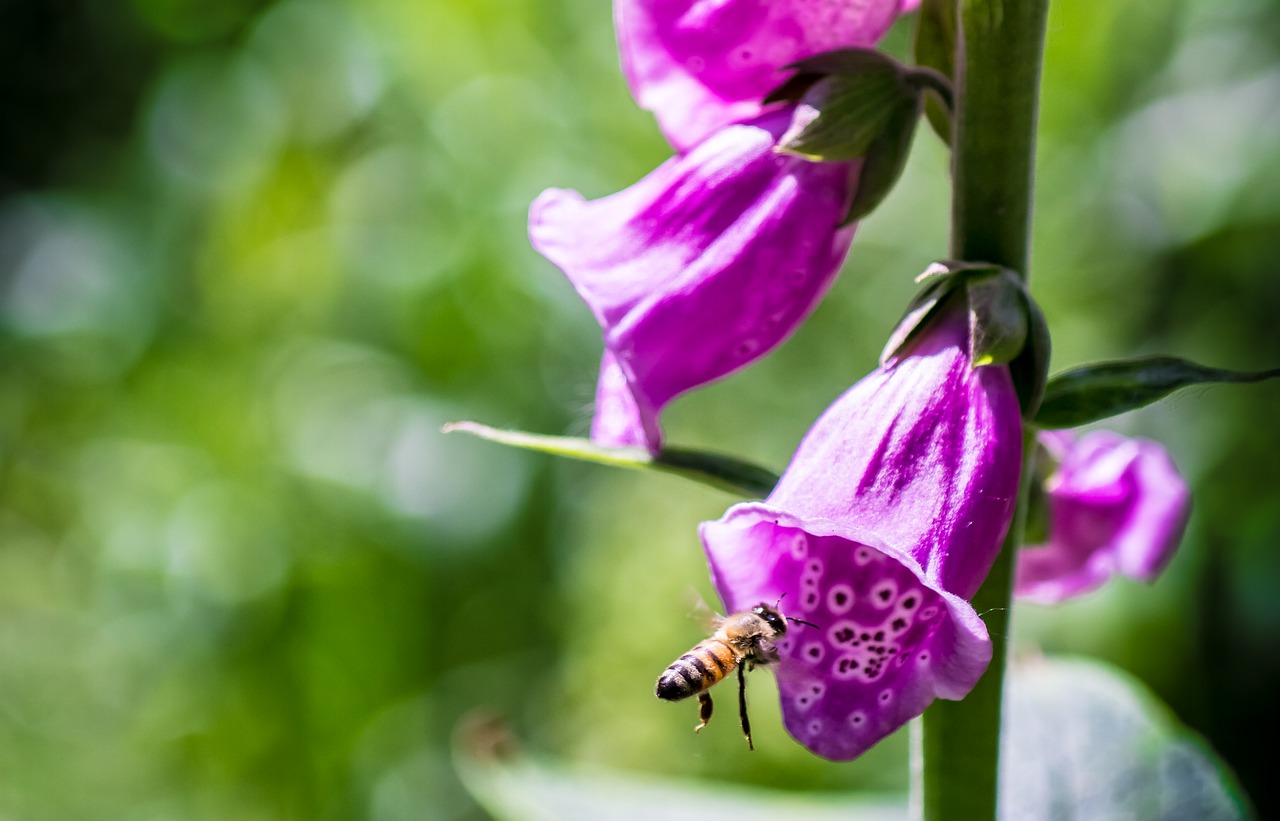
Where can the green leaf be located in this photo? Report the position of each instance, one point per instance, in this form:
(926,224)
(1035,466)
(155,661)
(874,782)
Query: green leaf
(725,473)
(1085,740)
(1092,392)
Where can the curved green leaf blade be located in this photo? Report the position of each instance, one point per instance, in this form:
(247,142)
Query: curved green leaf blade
(1085,740)
(1093,392)
(723,472)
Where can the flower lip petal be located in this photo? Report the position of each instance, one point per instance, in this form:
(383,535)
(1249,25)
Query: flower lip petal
(886,643)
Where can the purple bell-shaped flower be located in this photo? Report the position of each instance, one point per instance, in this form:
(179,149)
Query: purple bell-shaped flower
(700,268)
(886,521)
(1114,505)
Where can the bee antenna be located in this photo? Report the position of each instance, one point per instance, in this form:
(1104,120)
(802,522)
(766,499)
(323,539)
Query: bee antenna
(778,606)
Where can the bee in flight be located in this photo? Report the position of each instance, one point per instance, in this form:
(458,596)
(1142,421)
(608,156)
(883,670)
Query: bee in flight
(743,641)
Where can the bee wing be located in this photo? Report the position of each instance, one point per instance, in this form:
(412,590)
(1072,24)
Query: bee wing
(702,613)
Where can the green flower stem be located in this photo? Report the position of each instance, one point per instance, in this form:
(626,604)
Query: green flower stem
(998,56)
(997,82)
(956,744)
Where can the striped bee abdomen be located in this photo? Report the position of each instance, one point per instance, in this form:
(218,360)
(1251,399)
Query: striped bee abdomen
(707,663)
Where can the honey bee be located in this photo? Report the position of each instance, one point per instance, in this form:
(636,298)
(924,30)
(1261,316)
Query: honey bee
(743,641)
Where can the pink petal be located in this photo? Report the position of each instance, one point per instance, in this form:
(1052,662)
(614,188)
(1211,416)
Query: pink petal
(699,65)
(1116,505)
(700,268)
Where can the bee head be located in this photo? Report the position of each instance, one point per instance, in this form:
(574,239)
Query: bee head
(771,616)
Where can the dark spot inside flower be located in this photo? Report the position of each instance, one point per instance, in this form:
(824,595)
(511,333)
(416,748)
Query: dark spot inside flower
(811,599)
(909,602)
(899,625)
(885,594)
(893,650)
(815,652)
(885,697)
(840,598)
(924,656)
(844,634)
(856,719)
(866,637)
(846,665)
(879,635)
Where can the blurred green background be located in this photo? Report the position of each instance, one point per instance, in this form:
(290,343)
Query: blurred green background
(253,254)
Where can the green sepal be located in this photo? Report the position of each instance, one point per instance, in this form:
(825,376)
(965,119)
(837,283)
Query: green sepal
(842,115)
(883,164)
(846,61)
(934,47)
(722,472)
(793,89)
(1006,327)
(997,317)
(1104,389)
(1030,368)
(939,281)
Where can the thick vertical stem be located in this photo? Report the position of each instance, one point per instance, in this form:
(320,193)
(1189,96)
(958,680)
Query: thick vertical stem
(997,79)
(998,84)
(957,743)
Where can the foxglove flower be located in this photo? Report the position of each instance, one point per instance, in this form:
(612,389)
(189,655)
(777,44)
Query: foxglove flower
(1114,505)
(703,266)
(887,519)
(699,65)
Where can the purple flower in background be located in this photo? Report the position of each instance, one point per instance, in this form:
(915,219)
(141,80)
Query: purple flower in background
(700,268)
(887,519)
(1114,505)
(699,65)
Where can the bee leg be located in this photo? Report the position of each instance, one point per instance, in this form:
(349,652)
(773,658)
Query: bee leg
(704,709)
(742,708)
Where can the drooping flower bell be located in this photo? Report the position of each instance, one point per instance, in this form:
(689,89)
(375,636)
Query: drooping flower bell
(699,65)
(698,269)
(1114,505)
(886,521)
